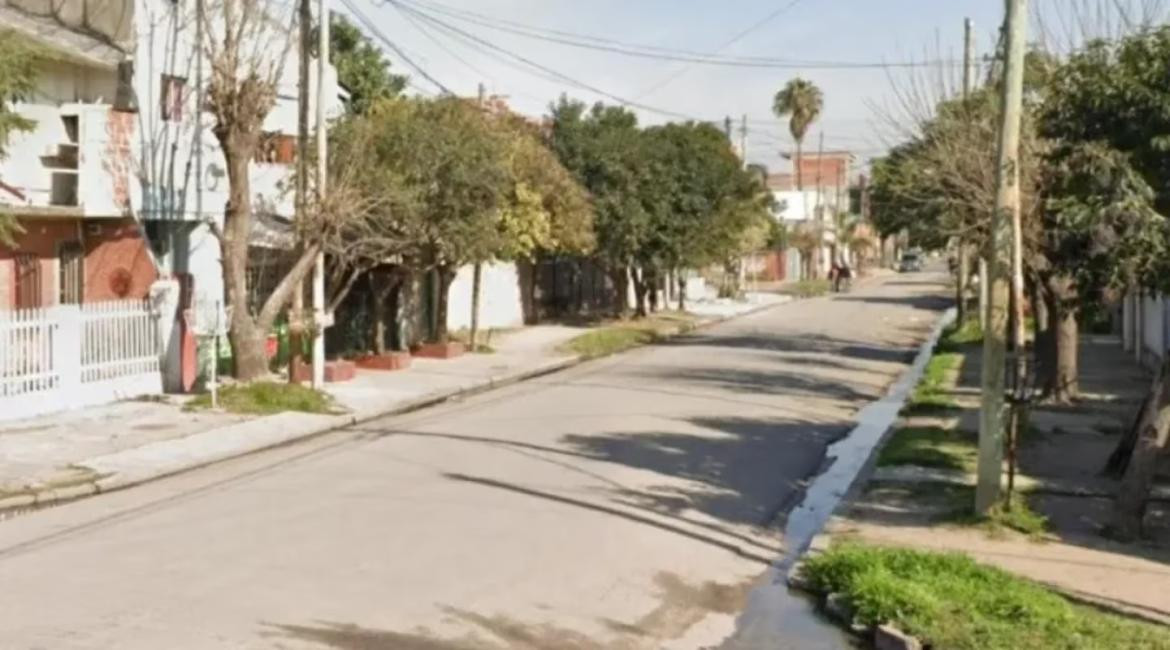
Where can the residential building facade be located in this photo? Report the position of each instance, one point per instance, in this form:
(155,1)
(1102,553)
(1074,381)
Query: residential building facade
(121,180)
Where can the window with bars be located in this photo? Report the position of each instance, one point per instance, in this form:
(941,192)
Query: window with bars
(173,92)
(70,258)
(28,282)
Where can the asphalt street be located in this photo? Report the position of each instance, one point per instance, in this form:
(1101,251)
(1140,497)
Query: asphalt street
(631,502)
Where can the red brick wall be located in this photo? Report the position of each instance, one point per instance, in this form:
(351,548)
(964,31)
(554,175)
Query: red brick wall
(774,265)
(40,238)
(833,169)
(116,161)
(118,250)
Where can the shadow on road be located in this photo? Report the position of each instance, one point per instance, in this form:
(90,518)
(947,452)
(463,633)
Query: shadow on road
(804,344)
(749,473)
(679,604)
(925,303)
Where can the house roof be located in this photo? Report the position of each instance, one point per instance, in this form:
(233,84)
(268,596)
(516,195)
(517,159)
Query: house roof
(73,45)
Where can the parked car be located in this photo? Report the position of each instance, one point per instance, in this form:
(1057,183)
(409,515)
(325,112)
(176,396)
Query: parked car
(910,262)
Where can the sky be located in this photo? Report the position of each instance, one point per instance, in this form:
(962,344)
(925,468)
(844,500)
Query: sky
(858,102)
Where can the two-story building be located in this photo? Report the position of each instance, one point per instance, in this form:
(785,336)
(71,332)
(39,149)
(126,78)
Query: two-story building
(121,180)
(823,195)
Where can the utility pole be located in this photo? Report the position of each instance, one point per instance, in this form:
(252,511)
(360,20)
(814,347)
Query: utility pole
(819,209)
(727,127)
(477,269)
(743,140)
(962,251)
(1000,253)
(297,322)
(319,316)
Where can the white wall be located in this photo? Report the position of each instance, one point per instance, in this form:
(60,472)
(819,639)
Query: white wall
(499,299)
(1153,332)
(63,90)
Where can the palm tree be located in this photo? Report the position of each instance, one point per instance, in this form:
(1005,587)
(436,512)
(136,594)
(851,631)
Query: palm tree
(802,102)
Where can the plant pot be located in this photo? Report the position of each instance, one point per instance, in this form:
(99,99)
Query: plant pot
(386,362)
(448,350)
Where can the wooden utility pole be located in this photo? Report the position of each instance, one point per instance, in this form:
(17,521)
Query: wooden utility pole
(819,209)
(962,252)
(1000,252)
(743,141)
(296,337)
(476,270)
(319,315)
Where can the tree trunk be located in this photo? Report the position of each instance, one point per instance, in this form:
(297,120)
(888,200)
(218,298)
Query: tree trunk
(246,339)
(799,171)
(961,268)
(382,286)
(1151,442)
(620,277)
(682,291)
(476,276)
(652,289)
(445,276)
(296,333)
(1063,386)
(378,311)
(639,293)
(1045,337)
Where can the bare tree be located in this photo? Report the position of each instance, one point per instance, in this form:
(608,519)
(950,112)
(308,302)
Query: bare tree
(247,44)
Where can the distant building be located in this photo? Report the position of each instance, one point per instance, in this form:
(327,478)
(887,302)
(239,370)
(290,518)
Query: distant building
(825,196)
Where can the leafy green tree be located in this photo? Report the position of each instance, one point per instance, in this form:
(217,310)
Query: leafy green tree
(601,147)
(1107,113)
(801,101)
(546,210)
(704,207)
(361,67)
(17,79)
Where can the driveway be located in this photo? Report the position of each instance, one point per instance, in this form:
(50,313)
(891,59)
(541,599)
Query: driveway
(630,502)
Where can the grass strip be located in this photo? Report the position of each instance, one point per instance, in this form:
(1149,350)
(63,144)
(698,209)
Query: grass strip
(953,603)
(265,398)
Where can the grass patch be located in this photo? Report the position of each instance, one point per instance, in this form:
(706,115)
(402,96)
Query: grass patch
(623,335)
(1020,517)
(959,335)
(265,398)
(933,392)
(959,502)
(931,447)
(953,603)
(807,288)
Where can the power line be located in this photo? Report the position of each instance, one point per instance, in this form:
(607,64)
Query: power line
(666,54)
(760,23)
(563,78)
(377,33)
(529,66)
(441,46)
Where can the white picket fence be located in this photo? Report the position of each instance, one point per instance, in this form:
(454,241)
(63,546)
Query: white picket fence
(71,356)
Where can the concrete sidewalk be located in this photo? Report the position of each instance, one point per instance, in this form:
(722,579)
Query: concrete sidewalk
(80,453)
(1060,478)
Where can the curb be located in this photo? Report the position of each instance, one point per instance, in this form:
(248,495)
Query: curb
(110,481)
(821,541)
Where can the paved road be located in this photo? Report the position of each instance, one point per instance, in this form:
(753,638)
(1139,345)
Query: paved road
(628,503)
